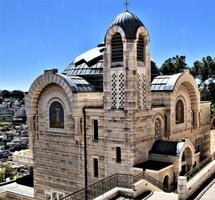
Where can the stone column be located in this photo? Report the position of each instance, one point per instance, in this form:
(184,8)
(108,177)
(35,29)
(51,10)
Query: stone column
(182,188)
(31,130)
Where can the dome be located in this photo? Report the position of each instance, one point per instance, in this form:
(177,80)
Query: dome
(128,22)
(89,66)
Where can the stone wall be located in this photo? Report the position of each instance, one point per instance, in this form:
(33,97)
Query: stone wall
(186,189)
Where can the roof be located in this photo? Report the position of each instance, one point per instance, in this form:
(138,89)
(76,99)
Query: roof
(20,113)
(17,189)
(128,22)
(89,66)
(78,84)
(89,55)
(154,165)
(165,147)
(164,83)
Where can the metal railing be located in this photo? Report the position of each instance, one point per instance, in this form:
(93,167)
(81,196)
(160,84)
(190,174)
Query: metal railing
(153,181)
(102,186)
(111,182)
(199,166)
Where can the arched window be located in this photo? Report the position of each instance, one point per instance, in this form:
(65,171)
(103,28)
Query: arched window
(56,115)
(157,128)
(140,49)
(117,48)
(179,112)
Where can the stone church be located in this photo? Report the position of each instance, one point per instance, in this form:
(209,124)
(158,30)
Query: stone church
(104,115)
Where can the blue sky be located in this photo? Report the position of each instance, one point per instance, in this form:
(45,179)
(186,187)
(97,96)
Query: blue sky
(41,34)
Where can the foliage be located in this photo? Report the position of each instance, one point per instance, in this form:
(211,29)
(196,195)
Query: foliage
(204,69)
(17,94)
(6,172)
(5,94)
(173,65)
(213,108)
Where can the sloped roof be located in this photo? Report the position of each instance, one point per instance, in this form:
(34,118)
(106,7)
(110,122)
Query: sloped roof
(164,83)
(164,147)
(78,84)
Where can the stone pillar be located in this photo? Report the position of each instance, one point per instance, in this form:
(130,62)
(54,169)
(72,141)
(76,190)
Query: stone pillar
(77,130)
(31,130)
(182,188)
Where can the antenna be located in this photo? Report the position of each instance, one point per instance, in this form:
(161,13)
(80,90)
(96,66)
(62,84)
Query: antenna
(126,5)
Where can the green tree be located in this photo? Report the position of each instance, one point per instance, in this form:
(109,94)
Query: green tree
(17,94)
(5,94)
(173,65)
(204,69)
(6,171)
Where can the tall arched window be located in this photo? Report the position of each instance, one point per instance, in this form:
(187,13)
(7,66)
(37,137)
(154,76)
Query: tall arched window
(140,49)
(117,48)
(56,115)
(179,112)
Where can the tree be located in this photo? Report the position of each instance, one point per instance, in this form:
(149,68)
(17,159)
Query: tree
(204,69)
(173,65)
(17,94)
(5,94)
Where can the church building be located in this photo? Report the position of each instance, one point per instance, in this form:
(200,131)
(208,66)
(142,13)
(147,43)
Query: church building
(104,115)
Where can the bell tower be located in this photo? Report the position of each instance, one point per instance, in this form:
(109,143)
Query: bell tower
(127,91)
(127,65)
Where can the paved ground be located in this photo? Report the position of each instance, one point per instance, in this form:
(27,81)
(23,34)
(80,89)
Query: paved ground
(157,196)
(209,192)
(163,196)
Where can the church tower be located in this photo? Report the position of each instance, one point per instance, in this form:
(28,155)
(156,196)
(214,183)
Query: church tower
(127,65)
(127,91)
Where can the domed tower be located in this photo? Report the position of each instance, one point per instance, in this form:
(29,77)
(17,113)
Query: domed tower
(127,95)
(127,64)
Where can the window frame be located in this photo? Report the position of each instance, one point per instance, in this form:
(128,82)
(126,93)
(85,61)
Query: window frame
(140,49)
(95,167)
(117,54)
(95,130)
(177,120)
(49,114)
(118,154)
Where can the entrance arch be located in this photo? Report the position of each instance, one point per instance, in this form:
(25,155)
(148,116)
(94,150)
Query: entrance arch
(186,161)
(166,181)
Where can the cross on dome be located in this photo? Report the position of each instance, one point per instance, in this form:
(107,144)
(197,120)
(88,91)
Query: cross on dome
(126,5)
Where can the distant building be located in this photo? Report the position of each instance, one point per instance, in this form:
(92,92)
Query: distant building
(19,116)
(103,115)
(5,111)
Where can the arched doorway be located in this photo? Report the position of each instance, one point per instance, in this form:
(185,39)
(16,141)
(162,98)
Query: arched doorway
(166,182)
(186,161)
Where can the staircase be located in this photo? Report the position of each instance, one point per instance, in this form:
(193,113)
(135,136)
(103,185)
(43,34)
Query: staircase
(126,181)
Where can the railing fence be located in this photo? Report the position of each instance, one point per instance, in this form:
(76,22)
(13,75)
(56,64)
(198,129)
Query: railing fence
(199,167)
(111,182)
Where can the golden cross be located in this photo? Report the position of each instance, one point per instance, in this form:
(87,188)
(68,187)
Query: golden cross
(126,5)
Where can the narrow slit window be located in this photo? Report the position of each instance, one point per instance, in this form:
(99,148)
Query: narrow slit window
(95,166)
(95,129)
(118,155)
